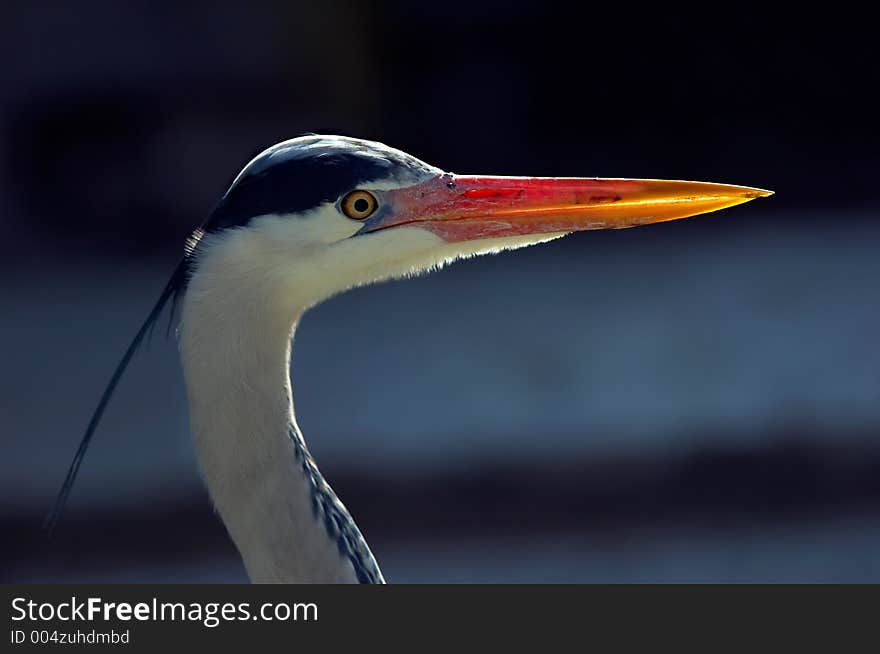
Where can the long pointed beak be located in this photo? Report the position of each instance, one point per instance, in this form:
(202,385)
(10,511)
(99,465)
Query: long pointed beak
(468,207)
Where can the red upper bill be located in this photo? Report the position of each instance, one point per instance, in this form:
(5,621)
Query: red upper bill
(465,207)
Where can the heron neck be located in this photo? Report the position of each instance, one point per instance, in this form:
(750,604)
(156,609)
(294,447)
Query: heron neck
(287,523)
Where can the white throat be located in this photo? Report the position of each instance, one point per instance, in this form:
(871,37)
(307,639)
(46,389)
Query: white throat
(238,316)
(287,524)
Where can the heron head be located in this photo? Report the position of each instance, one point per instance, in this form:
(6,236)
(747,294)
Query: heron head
(315,215)
(335,212)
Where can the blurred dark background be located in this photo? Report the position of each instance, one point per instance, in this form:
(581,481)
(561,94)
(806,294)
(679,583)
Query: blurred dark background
(692,401)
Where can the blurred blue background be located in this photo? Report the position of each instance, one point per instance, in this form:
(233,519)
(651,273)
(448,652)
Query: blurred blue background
(686,402)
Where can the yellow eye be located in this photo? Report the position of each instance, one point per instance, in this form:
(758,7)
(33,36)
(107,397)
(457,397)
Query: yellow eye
(358,205)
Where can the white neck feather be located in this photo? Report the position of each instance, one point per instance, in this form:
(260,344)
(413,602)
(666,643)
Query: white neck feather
(238,316)
(235,346)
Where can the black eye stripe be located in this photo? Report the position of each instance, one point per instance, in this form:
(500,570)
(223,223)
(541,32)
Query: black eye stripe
(294,186)
(297,175)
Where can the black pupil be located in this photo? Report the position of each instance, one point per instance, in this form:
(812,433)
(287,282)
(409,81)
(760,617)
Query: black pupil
(361,205)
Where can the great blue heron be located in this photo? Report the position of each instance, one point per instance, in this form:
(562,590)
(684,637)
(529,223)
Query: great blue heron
(306,219)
